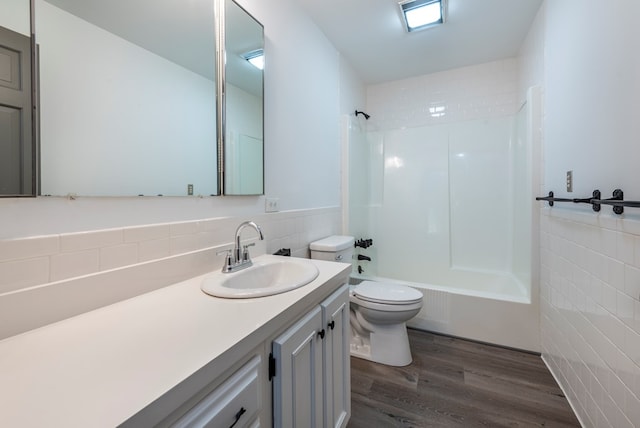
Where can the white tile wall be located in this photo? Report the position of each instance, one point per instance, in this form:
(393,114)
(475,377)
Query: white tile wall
(590,313)
(477,92)
(25,263)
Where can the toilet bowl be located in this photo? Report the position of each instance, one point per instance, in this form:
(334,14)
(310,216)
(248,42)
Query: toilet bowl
(379,311)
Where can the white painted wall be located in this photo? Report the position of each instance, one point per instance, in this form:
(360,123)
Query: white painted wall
(353,139)
(302,143)
(590,263)
(531,57)
(353,94)
(302,92)
(14,15)
(592,59)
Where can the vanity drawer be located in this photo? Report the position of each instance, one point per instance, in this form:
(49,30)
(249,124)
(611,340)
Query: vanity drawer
(235,403)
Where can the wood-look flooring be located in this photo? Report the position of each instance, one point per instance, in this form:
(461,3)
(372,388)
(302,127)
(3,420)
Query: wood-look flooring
(457,383)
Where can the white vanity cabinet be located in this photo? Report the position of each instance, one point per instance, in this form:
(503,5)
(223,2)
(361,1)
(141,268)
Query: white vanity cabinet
(179,357)
(236,403)
(311,367)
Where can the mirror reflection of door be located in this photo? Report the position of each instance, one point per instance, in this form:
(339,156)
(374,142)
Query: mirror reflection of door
(244,101)
(245,153)
(15,114)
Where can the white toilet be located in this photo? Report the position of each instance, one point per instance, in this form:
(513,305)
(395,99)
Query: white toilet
(379,310)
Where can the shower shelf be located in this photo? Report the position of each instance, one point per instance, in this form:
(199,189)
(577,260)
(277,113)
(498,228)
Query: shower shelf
(617,201)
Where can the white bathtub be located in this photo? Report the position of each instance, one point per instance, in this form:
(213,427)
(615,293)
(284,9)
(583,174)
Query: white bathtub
(450,209)
(489,308)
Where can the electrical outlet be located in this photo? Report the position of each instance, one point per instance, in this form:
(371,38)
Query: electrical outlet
(189,189)
(271,205)
(569,181)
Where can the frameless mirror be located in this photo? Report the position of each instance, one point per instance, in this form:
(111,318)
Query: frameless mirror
(17,142)
(242,103)
(127,97)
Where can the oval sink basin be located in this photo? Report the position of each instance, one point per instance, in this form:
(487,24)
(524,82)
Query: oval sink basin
(264,278)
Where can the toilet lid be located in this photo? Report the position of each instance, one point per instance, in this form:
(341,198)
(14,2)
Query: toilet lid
(380,292)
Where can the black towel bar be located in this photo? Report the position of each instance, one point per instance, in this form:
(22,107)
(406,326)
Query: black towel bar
(617,201)
(595,196)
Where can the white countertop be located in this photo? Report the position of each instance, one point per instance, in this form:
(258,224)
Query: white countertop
(104,366)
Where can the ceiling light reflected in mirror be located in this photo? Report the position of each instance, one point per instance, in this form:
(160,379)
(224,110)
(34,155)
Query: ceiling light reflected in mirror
(255,58)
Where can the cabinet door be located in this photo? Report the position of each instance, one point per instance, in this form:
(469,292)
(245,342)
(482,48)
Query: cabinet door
(337,367)
(297,385)
(236,402)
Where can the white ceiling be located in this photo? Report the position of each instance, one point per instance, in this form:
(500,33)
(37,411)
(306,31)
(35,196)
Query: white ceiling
(371,36)
(368,33)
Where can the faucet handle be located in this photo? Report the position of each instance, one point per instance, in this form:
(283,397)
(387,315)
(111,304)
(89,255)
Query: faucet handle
(228,261)
(245,251)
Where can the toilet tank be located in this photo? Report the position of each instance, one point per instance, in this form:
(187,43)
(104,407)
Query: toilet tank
(336,248)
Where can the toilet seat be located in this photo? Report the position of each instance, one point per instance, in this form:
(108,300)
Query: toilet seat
(387,294)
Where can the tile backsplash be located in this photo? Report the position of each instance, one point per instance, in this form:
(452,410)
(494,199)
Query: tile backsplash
(35,267)
(590,313)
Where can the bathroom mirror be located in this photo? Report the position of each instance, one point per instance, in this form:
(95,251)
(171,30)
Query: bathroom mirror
(242,130)
(17,142)
(127,97)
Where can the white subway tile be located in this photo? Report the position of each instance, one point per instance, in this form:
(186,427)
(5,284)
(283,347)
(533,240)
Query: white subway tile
(118,256)
(185,228)
(15,249)
(626,370)
(625,308)
(592,333)
(69,265)
(636,248)
(630,226)
(608,221)
(152,250)
(632,281)
(147,233)
(609,298)
(615,273)
(88,240)
(632,407)
(625,248)
(18,274)
(597,290)
(598,264)
(632,349)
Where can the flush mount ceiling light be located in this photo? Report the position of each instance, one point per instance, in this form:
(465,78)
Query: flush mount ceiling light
(422,14)
(256,58)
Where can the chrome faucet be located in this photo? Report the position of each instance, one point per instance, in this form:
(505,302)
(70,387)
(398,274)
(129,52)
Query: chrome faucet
(238,258)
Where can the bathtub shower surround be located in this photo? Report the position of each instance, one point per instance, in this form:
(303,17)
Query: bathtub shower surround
(442,180)
(58,276)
